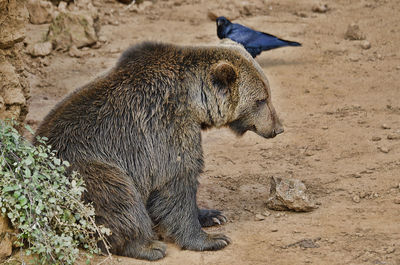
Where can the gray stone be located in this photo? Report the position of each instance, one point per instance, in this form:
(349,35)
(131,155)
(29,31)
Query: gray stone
(365,45)
(394,136)
(320,8)
(354,32)
(40,11)
(259,217)
(40,49)
(289,194)
(72,29)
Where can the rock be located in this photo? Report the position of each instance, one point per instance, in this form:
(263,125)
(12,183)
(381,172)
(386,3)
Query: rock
(385,126)
(40,49)
(300,14)
(62,6)
(86,5)
(12,91)
(383,149)
(356,198)
(139,8)
(74,52)
(289,194)
(6,238)
(320,8)
(305,243)
(376,138)
(13,16)
(354,33)
(365,44)
(266,213)
(72,29)
(40,11)
(14,88)
(259,217)
(397,200)
(354,57)
(103,39)
(393,136)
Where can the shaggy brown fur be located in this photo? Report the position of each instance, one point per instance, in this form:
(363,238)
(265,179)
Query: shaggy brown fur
(134,134)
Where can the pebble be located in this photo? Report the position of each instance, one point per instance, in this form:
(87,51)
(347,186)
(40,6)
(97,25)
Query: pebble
(376,138)
(354,33)
(365,44)
(363,194)
(274,230)
(397,200)
(398,67)
(383,149)
(390,250)
(308,153)
(320,8)
(300,14)
(354,57)
(266,213)
(259,217)
(385,126)
(102,38)
(75,52)
(325,127)
(40,49)
(356,198)
(393,136)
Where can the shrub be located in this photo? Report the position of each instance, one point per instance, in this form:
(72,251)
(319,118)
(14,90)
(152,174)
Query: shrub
(43,202)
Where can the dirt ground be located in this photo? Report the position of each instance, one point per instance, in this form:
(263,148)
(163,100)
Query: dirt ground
(340,105)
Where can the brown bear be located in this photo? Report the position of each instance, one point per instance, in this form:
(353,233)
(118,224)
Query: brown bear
(134,135)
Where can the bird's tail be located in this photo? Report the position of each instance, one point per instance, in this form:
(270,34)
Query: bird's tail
(292,43)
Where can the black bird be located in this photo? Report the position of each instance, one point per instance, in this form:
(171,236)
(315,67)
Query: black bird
(254,41)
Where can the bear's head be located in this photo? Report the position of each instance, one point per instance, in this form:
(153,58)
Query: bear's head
(242,91)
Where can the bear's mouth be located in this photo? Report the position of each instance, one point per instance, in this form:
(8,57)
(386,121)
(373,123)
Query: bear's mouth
(238,128)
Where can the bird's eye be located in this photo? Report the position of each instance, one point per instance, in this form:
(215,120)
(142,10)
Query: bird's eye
(261,102)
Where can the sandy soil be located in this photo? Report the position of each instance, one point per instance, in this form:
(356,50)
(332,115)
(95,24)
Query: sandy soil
(338,102)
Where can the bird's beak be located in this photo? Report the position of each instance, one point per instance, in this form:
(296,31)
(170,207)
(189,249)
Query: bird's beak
(219,22)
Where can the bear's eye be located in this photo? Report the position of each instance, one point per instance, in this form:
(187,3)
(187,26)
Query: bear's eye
(261,102)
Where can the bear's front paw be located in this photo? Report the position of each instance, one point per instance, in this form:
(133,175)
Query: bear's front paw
(208,242)
(211,217)
(155,250)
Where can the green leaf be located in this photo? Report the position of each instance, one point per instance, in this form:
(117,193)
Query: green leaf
(27,173)
(29,129)
(57,161)
(28,161)
(9,188)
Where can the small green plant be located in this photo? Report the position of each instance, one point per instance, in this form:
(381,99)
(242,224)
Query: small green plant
(43,202)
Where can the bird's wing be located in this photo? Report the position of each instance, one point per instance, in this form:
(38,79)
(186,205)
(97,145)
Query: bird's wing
(242,34)
(256,39)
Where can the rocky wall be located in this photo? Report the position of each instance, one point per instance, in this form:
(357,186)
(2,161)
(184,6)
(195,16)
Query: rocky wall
(14,88)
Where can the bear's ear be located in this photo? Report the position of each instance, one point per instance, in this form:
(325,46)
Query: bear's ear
(223,76)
